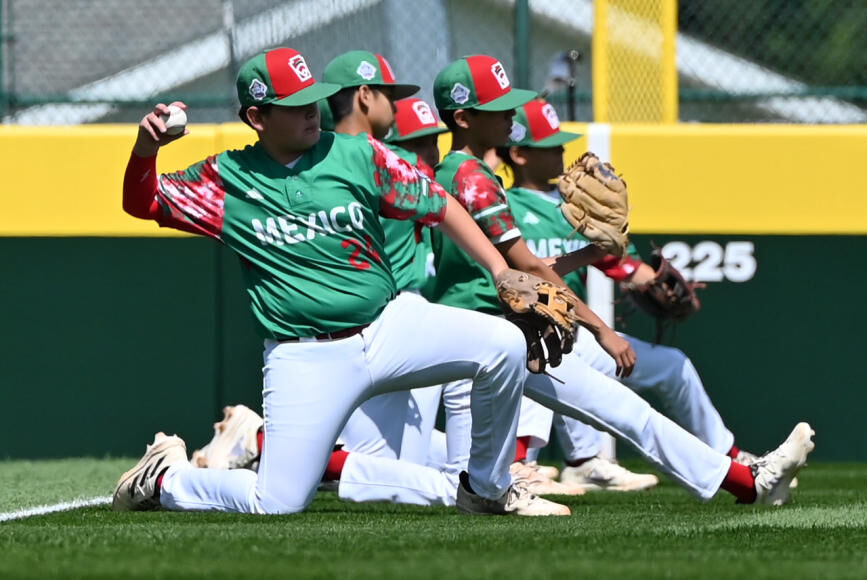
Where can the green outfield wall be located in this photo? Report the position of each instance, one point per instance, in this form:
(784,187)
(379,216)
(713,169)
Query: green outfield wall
(113,329)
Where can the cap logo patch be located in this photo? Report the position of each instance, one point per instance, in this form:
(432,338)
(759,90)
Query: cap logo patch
(518,132)
(299,66)
(500,74)
(551,115)
(423,112)
(460,94)
(366,70)
(258,89)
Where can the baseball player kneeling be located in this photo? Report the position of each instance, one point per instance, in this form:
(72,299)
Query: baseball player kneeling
(300,208)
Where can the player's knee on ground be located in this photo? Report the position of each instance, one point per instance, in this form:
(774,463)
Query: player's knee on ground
(283,501)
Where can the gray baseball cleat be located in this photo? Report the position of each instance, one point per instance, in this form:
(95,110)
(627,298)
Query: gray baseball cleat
(136,489)
(517,501)
(235,444)
(774,471)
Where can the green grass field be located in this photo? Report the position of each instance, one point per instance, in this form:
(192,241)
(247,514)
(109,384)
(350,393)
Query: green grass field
(660,533)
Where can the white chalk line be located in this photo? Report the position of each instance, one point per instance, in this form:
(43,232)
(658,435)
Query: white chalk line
(57,507)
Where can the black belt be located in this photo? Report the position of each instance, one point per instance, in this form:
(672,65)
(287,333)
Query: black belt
(345,333)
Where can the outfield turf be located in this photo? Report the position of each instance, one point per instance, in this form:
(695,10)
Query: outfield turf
(660,533)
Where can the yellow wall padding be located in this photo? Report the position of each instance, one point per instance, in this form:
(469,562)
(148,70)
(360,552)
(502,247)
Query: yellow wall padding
(721,179)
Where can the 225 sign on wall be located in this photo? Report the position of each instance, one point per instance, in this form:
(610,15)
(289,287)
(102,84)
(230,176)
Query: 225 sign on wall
(709,261)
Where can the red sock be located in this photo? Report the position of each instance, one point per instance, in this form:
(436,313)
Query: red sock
(733,452)
(335,464)
(260,439)
(521,448)
(740,482)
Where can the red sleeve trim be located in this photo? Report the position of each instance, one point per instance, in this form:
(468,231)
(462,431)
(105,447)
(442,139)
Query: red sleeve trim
(618,270)
(140,187)
(404,190)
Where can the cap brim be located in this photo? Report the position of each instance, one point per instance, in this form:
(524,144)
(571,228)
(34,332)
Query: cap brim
(417,134)
(311,94)
(554,140)
(511,100)
(403,91)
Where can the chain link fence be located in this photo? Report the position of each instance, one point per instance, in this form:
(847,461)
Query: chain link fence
(85,61)
(773,60)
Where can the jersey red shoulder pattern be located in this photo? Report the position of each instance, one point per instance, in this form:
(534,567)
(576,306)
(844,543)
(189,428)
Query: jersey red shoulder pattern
(406,192)
(484,199)
(193,200)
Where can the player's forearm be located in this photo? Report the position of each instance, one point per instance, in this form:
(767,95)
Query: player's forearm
(140,186)
(462,230)
(572,261)
(589,320)
(145,147)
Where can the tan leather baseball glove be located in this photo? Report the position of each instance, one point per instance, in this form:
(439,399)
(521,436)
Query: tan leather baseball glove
(543,311)
(596,203)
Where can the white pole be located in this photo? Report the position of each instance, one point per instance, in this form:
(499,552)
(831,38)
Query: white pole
(600,288)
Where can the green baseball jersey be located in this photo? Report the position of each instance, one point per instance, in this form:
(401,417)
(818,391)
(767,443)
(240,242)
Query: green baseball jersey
(460,281)
(404,243)
(308,235)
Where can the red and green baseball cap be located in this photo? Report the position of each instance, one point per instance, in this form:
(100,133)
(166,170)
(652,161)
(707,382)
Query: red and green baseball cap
(362,67)
(536,124)
(477,82)
(414,118)
(280,77)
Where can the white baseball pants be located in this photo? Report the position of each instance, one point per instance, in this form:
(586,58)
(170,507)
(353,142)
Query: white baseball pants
(396,425)
(669,374)
(380,478)
(311,388)
(589,396)
(534,420)
(603,402)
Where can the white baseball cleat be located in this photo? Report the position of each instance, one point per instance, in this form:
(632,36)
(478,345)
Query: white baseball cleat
(137,488)
(774,471)
(600,474)
(747,458)
(517,501)
(539,484)
(235,444)
(547,471)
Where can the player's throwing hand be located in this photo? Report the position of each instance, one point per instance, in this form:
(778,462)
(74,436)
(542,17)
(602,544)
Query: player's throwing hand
(153,133)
